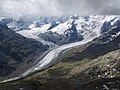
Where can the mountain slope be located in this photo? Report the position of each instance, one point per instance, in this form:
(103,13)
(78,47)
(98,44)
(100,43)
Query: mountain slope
(80,68)
(74,76)
(16,50)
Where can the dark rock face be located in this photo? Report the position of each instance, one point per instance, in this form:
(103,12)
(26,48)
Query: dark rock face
(106,26)
(105,43)
(109,24)
(16,49)
(6,21)
(54,25)
(69,36)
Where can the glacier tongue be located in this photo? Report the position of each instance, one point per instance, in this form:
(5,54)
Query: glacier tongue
(52,57)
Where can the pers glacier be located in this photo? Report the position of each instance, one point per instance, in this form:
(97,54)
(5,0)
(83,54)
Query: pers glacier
(52,57)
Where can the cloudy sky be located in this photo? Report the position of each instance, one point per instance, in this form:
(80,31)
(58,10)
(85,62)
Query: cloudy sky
(17,8)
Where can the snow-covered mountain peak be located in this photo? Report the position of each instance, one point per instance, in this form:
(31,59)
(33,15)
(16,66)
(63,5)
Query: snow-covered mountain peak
(111,35)
(74,17)
(34,24)
(64,28)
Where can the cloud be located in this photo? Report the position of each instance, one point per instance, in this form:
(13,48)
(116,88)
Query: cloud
(17,8)
(104,7)
(28,7)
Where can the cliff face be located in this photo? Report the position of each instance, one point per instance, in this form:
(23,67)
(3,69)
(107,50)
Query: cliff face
(16,49)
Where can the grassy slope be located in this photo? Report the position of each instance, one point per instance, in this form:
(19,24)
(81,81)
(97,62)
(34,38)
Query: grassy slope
(71,74)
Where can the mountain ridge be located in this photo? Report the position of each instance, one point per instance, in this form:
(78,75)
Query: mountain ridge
(59,32)
(16,49)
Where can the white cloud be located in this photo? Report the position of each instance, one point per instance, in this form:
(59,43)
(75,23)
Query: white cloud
(17,8)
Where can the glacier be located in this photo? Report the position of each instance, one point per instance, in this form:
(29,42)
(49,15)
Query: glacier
(89,27)
(52,57)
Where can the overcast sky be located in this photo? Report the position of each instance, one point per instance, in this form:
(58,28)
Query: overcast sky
(17,8)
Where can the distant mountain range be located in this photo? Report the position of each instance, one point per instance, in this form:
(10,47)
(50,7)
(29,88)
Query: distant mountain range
(62,30)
